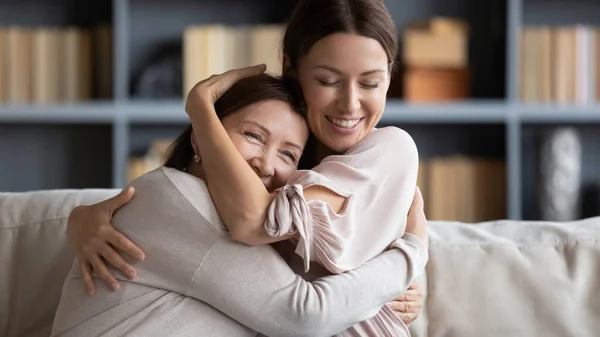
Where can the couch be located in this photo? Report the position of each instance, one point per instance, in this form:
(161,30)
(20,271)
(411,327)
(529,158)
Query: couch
(500,278)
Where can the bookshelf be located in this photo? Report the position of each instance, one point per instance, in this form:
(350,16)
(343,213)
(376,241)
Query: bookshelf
(88,143)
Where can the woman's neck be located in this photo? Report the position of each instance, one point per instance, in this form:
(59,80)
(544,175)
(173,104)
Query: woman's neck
(323,151)
(196,170)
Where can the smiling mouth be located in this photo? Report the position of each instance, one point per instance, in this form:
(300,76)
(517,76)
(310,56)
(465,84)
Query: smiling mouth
(344,123)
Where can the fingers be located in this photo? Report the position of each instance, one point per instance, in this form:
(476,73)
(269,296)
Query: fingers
(407,318)
(406,311)
(86,274)
(417,204)
(416,222)
(103,272)
(120,199)
(408,295)
(406,306)
(234,75)
(117,261)
(225,81)
(208,91)
(123,244)
(417,287)
(254,70)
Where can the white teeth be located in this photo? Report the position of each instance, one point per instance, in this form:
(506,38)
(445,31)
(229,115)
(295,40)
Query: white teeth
(345,123)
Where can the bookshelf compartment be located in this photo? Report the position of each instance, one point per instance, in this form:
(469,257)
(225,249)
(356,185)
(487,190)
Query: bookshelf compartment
(533,140)
(462,171)
(471,140)
(141,135)
(55,51)
(559,51)
(36,156)
(156,31)
(486,41)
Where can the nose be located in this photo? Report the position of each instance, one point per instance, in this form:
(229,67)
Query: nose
(348,100)
(263,165)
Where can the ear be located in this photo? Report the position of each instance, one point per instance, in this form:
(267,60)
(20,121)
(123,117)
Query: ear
(392,71)
(194,144)
(286,67)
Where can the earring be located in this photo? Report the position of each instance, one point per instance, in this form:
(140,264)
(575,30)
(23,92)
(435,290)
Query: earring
(196,158)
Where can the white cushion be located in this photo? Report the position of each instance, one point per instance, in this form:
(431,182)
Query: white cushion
(505,278)
(511,278)
(35,256)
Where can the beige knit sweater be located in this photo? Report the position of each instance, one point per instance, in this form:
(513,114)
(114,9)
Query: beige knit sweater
(196,281)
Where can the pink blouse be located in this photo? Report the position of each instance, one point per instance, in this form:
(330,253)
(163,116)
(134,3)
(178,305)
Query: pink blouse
(378,178)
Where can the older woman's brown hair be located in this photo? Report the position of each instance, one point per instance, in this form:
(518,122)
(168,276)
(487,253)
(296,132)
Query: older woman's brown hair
(243,93)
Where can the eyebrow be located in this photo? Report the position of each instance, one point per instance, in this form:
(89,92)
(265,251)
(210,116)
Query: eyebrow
(265,130)
(337,71)
(294,145)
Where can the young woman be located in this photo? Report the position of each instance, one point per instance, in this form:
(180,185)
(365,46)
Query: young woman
(342,53)
(197,281)
(353,204)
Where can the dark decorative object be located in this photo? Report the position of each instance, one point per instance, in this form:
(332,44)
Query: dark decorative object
(162,78)
(560,167)
(590,204)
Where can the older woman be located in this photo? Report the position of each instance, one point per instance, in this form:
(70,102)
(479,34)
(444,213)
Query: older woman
(197,281)
(355,201)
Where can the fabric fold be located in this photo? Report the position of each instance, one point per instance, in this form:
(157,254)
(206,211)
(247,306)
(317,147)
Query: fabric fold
(290,213)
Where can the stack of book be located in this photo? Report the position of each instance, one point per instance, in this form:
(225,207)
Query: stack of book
(435,55)
(459,188)
(49,65)
(214,49)
(560,64)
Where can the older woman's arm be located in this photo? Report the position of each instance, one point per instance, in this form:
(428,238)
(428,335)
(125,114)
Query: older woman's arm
(256,288)
(188,254)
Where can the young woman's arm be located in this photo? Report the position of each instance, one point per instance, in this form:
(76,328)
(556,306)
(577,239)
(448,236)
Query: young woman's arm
(386,161)
(238,193)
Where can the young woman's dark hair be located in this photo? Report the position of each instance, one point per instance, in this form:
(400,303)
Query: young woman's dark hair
(242,94)
(313,20)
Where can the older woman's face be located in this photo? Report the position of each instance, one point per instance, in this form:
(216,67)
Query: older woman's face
(344,79)
(271,137)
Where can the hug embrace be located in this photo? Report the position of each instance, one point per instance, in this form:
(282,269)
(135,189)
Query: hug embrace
(282,210)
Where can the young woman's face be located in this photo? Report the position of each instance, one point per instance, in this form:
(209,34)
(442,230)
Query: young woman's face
(271,137)
(344,79)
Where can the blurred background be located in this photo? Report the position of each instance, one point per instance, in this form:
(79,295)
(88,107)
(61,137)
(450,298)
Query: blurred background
(500,96)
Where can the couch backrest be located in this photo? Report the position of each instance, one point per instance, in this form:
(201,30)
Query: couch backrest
(504,278)
(511,278)
(35,256)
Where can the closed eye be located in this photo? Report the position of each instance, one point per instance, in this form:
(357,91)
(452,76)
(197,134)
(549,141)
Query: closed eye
(327,83)
(369,85)
(291,156)
(254,135)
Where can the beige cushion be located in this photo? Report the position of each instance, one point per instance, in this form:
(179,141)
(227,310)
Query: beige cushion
(510,278)
(490,279)
(35,257)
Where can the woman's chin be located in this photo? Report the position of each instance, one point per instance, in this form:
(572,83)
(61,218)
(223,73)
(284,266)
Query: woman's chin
(339,144)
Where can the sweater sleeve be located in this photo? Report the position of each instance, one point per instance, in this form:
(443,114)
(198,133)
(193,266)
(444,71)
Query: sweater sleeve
(254,286)
(378,179)
(189,252)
